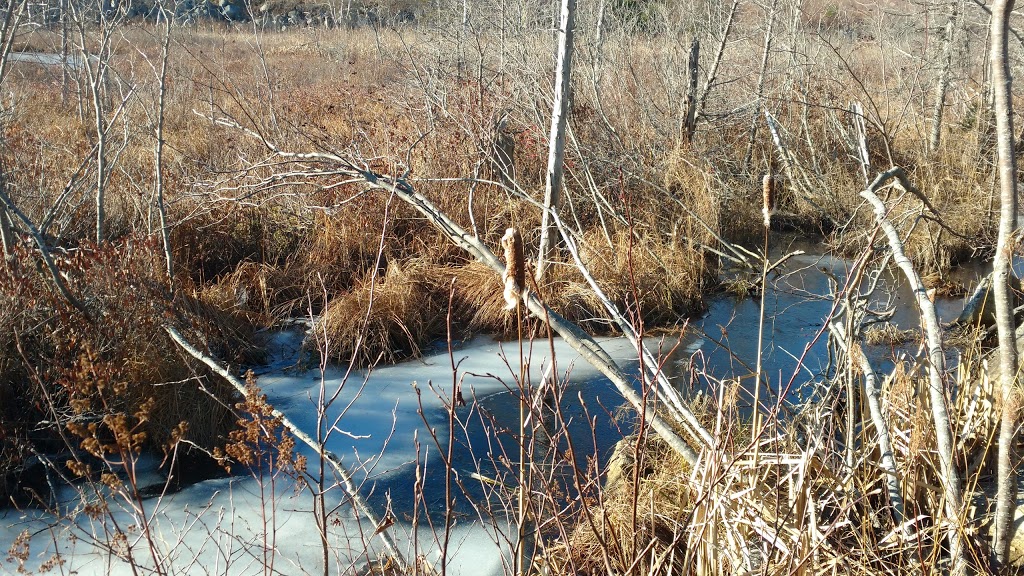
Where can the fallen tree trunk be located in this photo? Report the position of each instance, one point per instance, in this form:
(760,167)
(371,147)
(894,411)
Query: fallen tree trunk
(872,393)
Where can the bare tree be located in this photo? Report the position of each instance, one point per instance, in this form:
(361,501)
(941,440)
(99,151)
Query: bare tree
(709,82)
(158,181)
(6,204)
(693,68)
(11,20)
(951,484)
(8,27)
(943,80)
(96,65)
(556,147)
(1008,361)
(759,94)
(327,456)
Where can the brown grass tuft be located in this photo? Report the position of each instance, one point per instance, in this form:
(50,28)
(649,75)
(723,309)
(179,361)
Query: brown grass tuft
(662,279)
(388,318)
(609,538)
(480,300)
(889,334)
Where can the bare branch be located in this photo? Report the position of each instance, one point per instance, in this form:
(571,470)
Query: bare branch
(298,433)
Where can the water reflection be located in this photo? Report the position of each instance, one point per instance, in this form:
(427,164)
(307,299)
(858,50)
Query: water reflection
(798,302)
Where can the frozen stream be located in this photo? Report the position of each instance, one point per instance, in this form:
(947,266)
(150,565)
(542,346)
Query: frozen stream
(217,526)
(239,525)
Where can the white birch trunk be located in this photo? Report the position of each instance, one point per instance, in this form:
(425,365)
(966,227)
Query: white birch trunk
(943,79)
(689,117)
(759,94)
(936,370)
(556,147)
(165,233)
(1008,361)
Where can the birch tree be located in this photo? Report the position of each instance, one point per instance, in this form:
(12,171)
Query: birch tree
(952,488)
(158,152)
(556,147)
(761,76)
(709,82)
(8,27)
(1006,495)
(95,65)
(943,80)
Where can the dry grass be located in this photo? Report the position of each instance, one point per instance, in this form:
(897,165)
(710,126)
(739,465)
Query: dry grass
(889,334)
(385,319)
(792,506)
(479,293)
(613,538)
(659,280)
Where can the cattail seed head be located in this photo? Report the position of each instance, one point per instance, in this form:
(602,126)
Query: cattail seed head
(768,197)
(515,268)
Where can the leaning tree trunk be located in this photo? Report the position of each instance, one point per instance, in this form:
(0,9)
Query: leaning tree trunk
(299,434)
(1006,494)
(951,485)
(709,82)
(556,148)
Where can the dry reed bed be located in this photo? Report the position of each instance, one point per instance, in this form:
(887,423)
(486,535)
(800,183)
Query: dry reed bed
(791,505)
(373,101)
(375,114)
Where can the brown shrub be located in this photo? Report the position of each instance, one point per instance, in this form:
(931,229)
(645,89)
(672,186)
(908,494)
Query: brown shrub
(61,367)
